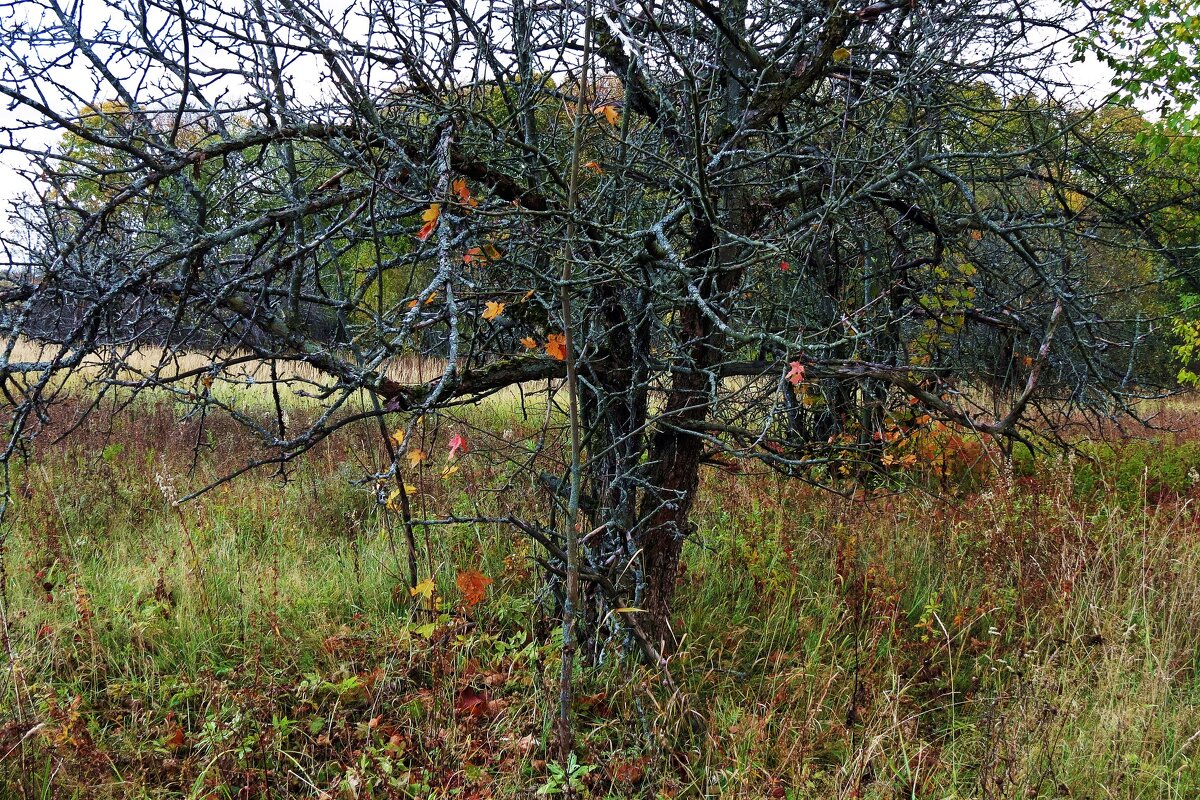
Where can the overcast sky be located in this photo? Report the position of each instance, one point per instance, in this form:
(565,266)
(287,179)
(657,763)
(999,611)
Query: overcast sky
(1091,79)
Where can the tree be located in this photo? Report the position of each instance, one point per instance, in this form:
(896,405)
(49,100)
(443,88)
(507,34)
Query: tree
(786,233)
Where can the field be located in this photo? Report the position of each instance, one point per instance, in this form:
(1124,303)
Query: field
(1034,635)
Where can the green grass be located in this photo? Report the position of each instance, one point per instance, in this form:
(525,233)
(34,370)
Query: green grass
(1036,638)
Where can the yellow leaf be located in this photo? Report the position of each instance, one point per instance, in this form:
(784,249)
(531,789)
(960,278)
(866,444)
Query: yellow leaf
(556,346)
(841,54)
(430,215)
(527,295)
(492,309)
(610,113)
(415,457)
(530,343)
(424,589)
(397,438)
(393,499)
(449,470)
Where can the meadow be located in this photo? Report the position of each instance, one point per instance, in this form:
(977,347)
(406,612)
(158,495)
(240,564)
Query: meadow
(1032,632)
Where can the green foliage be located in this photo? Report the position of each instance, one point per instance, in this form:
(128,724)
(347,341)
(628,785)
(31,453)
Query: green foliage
(1152,48)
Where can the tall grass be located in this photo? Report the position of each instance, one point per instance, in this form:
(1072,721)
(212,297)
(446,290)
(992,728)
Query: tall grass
(1035,638)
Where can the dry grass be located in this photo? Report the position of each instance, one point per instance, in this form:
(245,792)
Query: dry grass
(1031,639)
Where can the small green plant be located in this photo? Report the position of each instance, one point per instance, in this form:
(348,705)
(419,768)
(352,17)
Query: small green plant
(565,778)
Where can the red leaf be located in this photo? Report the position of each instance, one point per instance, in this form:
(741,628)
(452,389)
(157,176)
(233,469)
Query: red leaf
(795,375)
(174,739)
(471,702)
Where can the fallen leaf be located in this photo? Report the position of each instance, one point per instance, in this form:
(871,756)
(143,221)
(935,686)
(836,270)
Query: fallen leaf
(530,343)
(458,445)
(174,739)
(592,165)
(473,586)
(471,702)
(416,456)
(397,438)
(492,309)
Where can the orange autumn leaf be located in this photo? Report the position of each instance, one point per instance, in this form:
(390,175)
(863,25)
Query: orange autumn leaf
(473,585)
(428,300)
(481,255)
(592,165)
(530,343)
(416,456)
(610,113)
(492,309)
(556,346)
(463,193)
